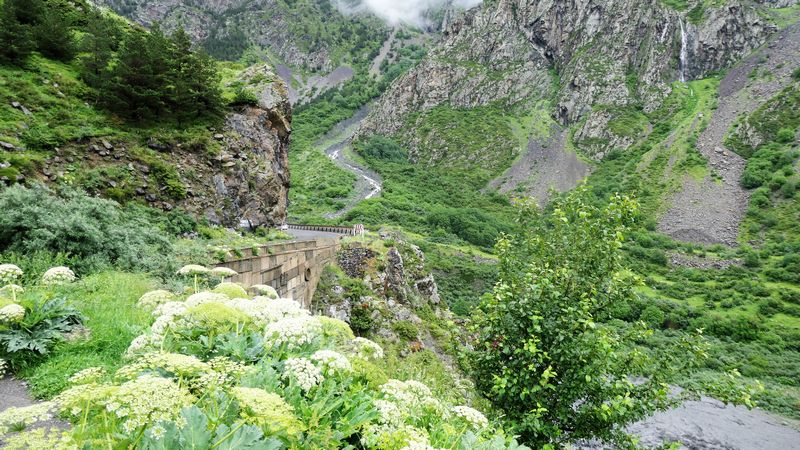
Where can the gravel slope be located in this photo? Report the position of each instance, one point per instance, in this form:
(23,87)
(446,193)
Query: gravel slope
(710,211)
(545,165)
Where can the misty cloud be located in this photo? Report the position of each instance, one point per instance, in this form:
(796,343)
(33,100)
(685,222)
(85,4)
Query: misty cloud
(397,12)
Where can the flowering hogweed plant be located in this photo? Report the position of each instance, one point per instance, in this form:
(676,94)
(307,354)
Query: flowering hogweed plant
(12,313)
(58,275)
(9,273)
(253,373)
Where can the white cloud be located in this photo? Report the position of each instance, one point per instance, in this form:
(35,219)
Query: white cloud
(395,12)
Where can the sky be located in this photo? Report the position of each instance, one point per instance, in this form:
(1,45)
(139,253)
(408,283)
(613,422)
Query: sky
(396,12)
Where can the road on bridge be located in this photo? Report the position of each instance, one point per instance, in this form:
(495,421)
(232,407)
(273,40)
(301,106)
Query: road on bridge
(308,235)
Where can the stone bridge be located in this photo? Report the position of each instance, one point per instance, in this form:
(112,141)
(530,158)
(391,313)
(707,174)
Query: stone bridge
(292,268)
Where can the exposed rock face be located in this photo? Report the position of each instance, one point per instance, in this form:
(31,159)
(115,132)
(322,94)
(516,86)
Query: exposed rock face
(253,186)
(606,53)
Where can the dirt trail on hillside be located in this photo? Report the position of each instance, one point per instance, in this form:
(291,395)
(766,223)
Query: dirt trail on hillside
(375,69)
(368,183)
(546,164)
(709,211)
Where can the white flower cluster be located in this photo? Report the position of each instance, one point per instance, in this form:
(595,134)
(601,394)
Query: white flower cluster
(12,313)
(87,376)
(11,290)
(292,332)
(223,272)
(58,275)
(3,366)
(205,297)
(193,269)
(303,372)
(9,273)
(367,349)
(155,298)
(147,399)
(266,291)
(331,362)
(472,416)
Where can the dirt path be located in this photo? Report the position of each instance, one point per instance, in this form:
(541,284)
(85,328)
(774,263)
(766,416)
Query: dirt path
(14,394)
(545,165)
(710,211)
(337,145)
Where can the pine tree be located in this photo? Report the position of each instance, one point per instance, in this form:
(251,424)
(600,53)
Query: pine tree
(16,37)
(53,35)
(96,48)
(194,77)
(139,86)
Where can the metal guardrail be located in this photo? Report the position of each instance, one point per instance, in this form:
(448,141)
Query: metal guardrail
(350,231)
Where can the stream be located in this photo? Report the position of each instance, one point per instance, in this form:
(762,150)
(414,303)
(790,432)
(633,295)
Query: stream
(336,145)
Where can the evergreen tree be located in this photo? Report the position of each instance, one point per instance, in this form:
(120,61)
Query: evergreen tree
(139,86)
(16,37)
(96,48)
(195,80)
(53,35)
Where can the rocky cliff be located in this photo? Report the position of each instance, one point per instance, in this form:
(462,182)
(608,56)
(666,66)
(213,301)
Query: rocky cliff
(594,59)
(234,176)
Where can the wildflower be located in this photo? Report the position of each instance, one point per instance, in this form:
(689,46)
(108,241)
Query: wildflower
(15,418)
(3,367)
(205,297)
(11,290)
(266,291)
(137,345)
(231,290)
(303,372)
(331,362)
(155,298)
(380,436)
(148,399)
(472,416)
(157,431)
(389,412)
(12,313)
(51,439)
(75,400)
(87,376)
(182,366)
(292,332)
(58,275)
(267,410)
(170,309)
(9,273)
(411,396)
(223,272)
(367,349)
(193,269)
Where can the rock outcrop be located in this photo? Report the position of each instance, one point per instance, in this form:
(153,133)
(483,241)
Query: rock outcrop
(587,54)
(235,176)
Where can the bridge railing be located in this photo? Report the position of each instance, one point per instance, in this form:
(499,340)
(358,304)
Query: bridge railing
(323,228)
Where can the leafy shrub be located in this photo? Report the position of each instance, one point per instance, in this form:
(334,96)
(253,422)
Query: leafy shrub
(97,232)
(406,330)
(785,135)
(243,96)
(538,341)
(44,324)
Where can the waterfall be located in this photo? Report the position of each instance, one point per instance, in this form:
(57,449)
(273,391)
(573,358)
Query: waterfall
(684,53)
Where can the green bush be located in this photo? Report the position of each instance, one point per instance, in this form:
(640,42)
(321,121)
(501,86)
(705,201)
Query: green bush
(382,148)
(406,330)
(785,135)
(97,232)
